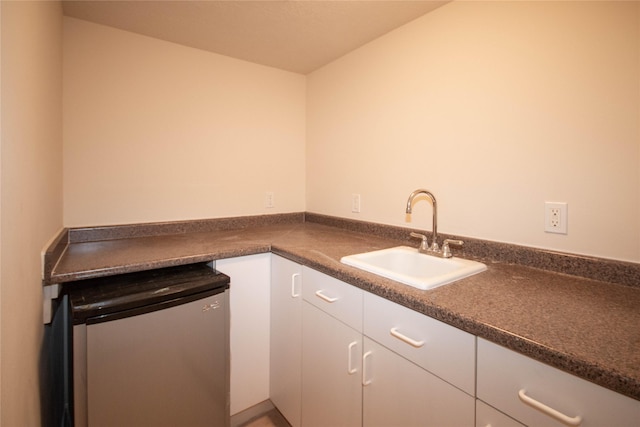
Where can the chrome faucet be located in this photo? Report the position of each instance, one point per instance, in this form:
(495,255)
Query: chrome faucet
(434,249)
(434,244)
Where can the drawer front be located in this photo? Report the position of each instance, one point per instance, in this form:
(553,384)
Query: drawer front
(333,296)
(540,395)
(443,350)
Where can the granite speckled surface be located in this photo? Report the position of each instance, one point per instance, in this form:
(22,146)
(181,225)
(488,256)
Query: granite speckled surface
(588,326)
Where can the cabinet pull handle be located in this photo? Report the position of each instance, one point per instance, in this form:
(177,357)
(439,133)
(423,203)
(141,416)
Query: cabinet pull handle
(293,285)
(404,338)
(571,421)
(365,381)
(323,297)
(351,370)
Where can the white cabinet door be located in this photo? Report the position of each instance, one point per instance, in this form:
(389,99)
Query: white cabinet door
(331,371)
(286,338)
(249,297)
(486,416)
(539,395)
(399,393)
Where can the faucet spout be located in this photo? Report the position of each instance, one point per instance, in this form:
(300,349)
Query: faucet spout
(434,243)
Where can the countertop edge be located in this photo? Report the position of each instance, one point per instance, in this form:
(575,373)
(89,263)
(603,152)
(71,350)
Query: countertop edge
(595,373)
(607,377)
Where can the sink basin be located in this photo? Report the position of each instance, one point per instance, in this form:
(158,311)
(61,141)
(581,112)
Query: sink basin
(406,265)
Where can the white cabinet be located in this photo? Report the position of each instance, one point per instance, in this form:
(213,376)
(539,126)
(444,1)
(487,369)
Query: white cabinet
(408,373)
(249,335)
(352,380)
(539,395)
(331,388)
(344,357)
(331,352)
(398,392)
(486,416)
(286,338)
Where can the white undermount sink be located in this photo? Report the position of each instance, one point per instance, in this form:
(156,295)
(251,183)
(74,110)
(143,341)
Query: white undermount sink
(406,265)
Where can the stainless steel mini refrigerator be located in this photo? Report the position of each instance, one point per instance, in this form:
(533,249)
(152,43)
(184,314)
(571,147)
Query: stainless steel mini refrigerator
(152,348)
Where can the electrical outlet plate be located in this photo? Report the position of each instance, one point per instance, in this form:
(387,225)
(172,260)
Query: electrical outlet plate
(269,199)
(555,217)
(355,203)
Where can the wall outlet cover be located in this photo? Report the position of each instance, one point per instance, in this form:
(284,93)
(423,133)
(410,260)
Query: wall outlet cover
(269,199)
(555,217)
(355,203)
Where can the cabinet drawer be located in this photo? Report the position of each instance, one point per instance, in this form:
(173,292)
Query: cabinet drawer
(443,350)
(508,380)
(339,299)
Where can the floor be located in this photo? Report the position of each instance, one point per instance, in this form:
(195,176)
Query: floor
(262,415)
(273,418)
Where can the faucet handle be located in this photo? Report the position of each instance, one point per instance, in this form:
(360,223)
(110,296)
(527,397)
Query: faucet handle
(446,252)
(424,245)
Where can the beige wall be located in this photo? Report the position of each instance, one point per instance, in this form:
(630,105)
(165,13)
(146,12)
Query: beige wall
(31,193)
(154,131)
(496,107)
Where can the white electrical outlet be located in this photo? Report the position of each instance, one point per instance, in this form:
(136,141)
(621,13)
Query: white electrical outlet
(355,203)
(555,217)
(269,199)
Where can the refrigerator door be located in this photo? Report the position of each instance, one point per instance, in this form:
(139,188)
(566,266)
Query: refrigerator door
(163,368)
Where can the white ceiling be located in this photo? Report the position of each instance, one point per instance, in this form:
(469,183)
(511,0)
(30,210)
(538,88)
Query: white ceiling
(298,36)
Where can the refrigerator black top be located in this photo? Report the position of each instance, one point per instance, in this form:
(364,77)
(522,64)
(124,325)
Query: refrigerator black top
(143,291)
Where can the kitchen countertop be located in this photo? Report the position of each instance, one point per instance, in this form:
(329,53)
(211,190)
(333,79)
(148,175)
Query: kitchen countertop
(590,328)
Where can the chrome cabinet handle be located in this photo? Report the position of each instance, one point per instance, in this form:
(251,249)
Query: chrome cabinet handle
(323,297)
(557,415)
(406,339)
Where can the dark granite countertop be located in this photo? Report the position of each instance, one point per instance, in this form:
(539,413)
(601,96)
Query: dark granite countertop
(588,327)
